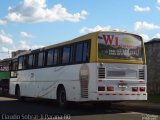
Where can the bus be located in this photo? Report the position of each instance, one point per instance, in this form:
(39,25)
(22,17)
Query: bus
(4,76)
(103,66)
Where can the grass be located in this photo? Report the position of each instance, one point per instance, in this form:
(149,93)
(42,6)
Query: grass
(154,98)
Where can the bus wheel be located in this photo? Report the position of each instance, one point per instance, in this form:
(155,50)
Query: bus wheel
(61,97)
(18,94)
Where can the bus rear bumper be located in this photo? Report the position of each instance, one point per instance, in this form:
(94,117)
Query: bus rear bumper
(118,96)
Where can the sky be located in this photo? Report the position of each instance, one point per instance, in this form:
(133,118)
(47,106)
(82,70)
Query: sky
(32,24)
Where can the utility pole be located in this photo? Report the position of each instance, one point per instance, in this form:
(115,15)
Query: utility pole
(5,53)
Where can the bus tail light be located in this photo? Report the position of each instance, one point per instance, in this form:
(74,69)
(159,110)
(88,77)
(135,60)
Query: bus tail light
(110,88)
(142,89)
(99,80)
(134,89)
(101,88)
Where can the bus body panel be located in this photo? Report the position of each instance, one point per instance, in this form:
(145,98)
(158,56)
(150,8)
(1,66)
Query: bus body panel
(46,80)
(129,83)
(12,85)
(46,87)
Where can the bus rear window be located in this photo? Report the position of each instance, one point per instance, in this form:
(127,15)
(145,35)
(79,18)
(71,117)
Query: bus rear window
(119,46)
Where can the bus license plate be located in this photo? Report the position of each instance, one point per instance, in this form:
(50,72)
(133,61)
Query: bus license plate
(123,86)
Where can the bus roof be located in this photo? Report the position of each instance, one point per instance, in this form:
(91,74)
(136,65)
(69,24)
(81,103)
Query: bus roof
(86,36)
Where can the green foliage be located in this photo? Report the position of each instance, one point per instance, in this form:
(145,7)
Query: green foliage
(154,98)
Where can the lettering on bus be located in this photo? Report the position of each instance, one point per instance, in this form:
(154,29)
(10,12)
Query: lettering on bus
(113,40)
(117,46)
(110,40)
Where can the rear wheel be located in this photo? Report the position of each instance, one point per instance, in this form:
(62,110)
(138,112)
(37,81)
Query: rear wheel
(61,97)
(18,94)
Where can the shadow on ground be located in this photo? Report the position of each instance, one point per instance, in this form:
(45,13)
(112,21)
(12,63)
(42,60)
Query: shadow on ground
(49,107)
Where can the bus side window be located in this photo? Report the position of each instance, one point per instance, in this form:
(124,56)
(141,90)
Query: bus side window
(72,54)
(86,52)
(60,50)
(66,55)
(20,63)
(35,60)
(55,57)
(40,59)
(30,61)
(49,57)
(78,55)
(14,67)
(25,62)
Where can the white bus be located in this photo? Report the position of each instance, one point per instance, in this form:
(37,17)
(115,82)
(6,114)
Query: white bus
(100,66)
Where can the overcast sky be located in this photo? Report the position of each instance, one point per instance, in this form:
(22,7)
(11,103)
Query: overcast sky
(30,24)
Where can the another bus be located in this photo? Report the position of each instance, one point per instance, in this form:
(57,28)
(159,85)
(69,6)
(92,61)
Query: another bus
(100,66)
(4,76)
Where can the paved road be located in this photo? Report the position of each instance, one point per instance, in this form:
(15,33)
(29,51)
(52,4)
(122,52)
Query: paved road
(42,109)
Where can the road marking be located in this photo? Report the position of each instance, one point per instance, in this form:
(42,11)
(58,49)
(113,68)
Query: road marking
(139,113)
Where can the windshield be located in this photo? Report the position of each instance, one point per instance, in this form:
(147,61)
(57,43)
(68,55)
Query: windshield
(119,46)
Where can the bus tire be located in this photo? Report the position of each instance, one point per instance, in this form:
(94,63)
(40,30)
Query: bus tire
(18,94)
(61,97)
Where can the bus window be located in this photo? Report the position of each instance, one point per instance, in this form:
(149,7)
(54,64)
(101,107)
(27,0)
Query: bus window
(85,52)
(66,55)
(14,67)
(49,59)
(30,61)
(55,56)
(78,56)
(72,54)
(20,63)
(60,50)
(25,62)
(122,46)
(35,60)
(40,59)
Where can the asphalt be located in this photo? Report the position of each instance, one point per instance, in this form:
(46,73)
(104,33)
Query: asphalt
(140,105)
(128,110)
